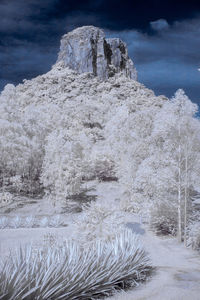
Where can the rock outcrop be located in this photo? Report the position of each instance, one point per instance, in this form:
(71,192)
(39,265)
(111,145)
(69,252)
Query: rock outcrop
(86,49)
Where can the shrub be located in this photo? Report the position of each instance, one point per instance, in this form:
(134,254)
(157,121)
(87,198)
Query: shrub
(104,168)
(5,198)
(194,235)
(3,222)
(163,218)
(16,182)
(15,222)
(99,220)
(63,165)
(29,221)
(74,272)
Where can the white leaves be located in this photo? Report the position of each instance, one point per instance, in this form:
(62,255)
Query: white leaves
(194,235)
(29,222)
(15,222)
(5,198)
(3,222)
(183,105)
(55,221)
(74,272)
(99,220)
(64,162)
(44,222)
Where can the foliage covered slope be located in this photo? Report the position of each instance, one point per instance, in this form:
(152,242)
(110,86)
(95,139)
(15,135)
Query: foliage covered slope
(63,128)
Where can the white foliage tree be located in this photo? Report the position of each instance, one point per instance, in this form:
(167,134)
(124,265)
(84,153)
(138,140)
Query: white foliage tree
(100,220)
(14,143)
(166,175)
(129,137)
(64,164)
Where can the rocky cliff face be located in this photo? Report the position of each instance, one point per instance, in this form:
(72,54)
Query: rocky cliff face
(86,49)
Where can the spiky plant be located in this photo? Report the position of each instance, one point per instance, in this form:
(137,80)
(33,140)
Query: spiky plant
(74,272)
(3,222)
(15,222)
(44,222)
(55,221)
(29,221)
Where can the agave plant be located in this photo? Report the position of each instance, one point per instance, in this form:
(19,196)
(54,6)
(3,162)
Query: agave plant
(74,272)
(15,222)
(55,221)
(3,222)
(29,222)
(44,222)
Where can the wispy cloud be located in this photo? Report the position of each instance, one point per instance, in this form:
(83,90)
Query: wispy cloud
(159,25)
(168,58)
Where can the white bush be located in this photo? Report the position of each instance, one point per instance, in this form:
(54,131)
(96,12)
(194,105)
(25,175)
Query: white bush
(5,198)
(29,222)
(74,272)
(99,220)
(43,222)
(16,182)
(4,222)
(194,235)
(16,222)
(102,167)
(163,217)
(55,221)
(63,166)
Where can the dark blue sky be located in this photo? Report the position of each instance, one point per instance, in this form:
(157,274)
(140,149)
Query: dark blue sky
(163,38)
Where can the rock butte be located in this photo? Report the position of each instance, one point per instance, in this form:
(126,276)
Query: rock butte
(86,49)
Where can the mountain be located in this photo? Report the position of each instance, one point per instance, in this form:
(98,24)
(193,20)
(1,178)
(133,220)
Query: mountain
(57,128)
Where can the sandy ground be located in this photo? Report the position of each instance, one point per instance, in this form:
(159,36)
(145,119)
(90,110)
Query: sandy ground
(177,274)
(14,238)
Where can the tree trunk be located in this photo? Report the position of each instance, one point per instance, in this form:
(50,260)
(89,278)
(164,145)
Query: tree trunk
(179,190)
(179,210)
(186,198)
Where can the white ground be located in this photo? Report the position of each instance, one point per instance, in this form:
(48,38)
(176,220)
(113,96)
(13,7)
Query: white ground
(177,275)
(177,268)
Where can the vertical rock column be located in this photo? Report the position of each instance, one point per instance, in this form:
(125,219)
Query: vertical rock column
(86,49)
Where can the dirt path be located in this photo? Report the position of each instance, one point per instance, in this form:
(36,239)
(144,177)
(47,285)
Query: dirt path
(177,272)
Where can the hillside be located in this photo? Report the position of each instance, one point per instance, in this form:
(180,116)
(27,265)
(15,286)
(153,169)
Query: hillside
(90,160)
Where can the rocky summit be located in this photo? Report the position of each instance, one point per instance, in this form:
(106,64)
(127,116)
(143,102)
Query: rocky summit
(86,49)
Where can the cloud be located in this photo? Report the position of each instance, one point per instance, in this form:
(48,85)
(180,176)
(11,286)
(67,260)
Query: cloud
(21,15)
(160,24)
(168,59)
(28,46)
